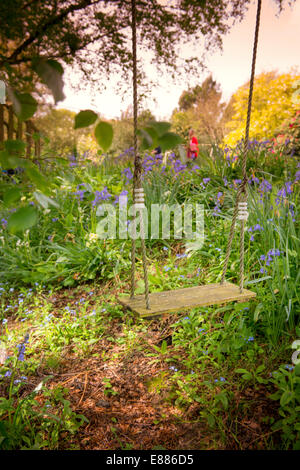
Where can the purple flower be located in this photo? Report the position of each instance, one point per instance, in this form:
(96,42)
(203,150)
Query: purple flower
(253,179)
(178,166)
(79,194)
(128,174)
(21,347)
(103,195)
(265,186)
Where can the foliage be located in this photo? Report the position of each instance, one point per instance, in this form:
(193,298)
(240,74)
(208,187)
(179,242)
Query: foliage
(287,381)
(200,108)
(234,347)
(273,103)
(60,30)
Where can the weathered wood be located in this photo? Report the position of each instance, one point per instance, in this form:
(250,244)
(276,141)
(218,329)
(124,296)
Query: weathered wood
(28,138)
(1,123)
(20,130)
(14,129)
(186,299)
(10,133)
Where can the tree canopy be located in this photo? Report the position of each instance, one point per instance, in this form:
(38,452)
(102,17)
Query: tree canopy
(273,104)
(95,34)
(201,108)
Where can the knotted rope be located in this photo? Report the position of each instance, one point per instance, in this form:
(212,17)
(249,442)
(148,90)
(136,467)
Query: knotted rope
(242,193)
(137,180)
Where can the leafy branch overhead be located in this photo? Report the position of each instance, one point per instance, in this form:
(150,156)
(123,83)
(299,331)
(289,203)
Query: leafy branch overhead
(153,135)
(95,35)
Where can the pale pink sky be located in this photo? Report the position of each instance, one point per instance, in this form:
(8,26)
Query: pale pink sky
(278,49)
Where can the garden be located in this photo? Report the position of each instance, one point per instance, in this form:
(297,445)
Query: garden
(78,371)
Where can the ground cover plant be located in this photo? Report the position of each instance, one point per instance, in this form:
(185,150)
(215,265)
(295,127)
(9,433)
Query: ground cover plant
(78,372)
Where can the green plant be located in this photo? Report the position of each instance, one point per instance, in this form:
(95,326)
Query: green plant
(287,381)
(108,388)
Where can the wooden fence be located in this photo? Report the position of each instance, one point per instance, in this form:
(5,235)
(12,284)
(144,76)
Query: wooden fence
(11,128)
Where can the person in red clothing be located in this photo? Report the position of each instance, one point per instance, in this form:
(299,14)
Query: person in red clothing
(192,149)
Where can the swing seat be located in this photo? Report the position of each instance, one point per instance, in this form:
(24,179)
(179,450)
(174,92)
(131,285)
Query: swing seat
(186,299)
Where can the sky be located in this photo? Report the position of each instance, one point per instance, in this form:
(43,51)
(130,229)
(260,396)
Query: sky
(278,49)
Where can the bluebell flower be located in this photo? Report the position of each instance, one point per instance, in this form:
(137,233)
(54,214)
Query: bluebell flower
(128,174)
(103,195)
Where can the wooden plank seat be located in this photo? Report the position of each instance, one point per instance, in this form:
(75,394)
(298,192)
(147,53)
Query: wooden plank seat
(186,299)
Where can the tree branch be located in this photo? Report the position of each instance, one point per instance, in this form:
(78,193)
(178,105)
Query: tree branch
(50,23)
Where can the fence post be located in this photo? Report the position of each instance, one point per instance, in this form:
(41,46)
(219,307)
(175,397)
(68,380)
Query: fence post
(20,130)
(28,138)
(10,132)
(1,124)
(15,129)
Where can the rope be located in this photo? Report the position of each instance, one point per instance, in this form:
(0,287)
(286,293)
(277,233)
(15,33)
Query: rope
(137,183)
(243,187)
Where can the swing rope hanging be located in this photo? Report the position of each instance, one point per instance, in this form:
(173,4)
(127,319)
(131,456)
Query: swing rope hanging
(159,303)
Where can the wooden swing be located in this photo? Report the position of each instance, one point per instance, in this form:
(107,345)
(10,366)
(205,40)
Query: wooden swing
(158,303)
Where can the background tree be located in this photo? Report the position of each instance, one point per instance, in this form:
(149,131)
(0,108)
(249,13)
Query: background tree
(123,136)
(273,104)
(200,108)
(95,35)
(57,126)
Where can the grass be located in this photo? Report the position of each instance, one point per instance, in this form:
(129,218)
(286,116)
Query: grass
(223,371)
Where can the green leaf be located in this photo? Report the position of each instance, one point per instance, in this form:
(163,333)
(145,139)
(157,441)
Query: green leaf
(51,73)
(169,140)
(24,105)
(36,177)
(85,118)
(163,347)
(15,146)
(104,135)
(260,368)
(222,398)
(11,195)
(255,281)
(44,200)
(286,397)
(297,369)
(23,219)
(161,127)
(246,374)
(9,161)
(257,311)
